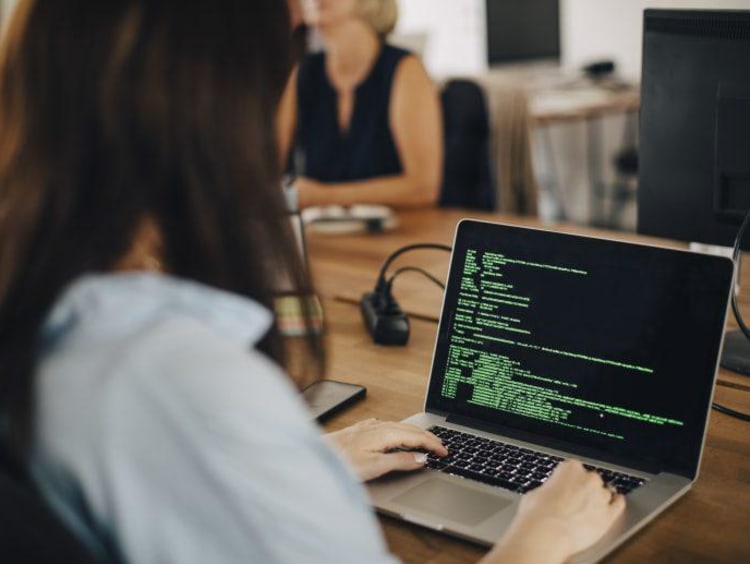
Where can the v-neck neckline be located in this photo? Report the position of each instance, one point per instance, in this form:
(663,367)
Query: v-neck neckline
(343,133)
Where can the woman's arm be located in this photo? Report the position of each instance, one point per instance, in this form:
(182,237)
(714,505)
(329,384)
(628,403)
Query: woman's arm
(416,122)
(287,118)
(569,513)
(226,468)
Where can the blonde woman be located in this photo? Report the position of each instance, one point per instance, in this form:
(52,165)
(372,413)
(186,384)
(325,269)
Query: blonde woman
(360,122)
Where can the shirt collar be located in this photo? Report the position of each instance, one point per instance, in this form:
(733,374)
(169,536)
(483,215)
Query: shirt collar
(123,297)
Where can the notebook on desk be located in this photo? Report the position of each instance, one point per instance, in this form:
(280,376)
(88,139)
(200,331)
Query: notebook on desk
(553,346)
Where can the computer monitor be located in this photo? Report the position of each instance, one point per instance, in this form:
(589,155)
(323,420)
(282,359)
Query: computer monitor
(694,169)
(522,30)
(694,177)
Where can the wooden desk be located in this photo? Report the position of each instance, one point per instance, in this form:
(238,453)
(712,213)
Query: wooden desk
(555,107)
(345,267)
(707,525)
(556,95)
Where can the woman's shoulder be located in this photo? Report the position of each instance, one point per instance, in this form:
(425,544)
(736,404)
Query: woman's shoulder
(392,57)
(409,72)
(132,343)
(403,65)
(187,418)
(396,52)
(212,374)
(177,383)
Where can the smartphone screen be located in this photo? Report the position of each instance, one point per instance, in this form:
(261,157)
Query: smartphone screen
(327,397)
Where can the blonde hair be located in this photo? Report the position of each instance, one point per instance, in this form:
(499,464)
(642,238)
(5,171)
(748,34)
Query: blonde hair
(381,15)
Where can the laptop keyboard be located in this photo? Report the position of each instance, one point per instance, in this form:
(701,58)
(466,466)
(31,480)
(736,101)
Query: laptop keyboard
(508,466)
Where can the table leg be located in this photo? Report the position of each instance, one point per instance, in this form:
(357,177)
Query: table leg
(595,170)
(555,186)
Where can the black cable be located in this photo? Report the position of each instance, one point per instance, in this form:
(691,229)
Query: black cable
(422,271)
(736,255)
(737,314)
(731,412)
(380,286)
(383,317)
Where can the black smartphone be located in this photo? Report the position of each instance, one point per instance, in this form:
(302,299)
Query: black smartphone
(327,397)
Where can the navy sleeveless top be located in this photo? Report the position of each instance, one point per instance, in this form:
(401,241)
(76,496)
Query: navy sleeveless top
(325,153)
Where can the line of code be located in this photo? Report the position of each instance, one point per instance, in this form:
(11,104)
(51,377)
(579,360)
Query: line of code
(491,309)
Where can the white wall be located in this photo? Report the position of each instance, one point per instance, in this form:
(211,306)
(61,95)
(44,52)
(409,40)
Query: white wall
(590,30)
(456,42)
(613,29)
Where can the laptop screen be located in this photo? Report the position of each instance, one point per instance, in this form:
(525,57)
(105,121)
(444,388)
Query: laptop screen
(603,348)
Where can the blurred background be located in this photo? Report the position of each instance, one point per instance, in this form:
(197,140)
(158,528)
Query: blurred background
(553,40)
(581,126)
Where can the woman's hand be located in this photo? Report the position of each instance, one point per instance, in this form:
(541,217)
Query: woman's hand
(569,513)
(369,447)
(311,192)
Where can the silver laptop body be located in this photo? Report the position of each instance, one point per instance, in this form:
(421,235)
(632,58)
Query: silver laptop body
(568,346)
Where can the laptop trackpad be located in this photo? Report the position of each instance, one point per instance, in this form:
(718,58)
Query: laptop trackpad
(452,501)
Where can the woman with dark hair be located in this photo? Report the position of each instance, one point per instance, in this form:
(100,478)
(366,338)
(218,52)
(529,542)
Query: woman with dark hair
(142,241)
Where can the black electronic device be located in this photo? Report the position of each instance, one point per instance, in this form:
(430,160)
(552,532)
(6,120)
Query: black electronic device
(599,69)
(606,344)
(694,166)
(522,30)
(325,398)
(694,181)
(384,319)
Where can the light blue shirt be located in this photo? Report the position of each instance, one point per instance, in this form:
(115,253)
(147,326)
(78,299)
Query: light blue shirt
(163,436)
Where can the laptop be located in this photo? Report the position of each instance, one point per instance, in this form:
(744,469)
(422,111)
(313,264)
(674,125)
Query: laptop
(552,346)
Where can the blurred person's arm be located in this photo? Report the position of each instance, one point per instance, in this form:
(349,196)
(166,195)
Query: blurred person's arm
(416,122)
(287,119)
(295,12)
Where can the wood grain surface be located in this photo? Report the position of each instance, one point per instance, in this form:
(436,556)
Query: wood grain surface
(709,524)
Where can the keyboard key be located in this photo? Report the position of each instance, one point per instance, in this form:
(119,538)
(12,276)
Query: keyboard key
(508,466)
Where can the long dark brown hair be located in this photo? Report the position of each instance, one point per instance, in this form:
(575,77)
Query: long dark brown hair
(112,111)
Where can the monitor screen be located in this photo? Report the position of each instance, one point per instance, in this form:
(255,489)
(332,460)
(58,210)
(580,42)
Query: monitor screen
(607,348)
(522,30)
(694,169)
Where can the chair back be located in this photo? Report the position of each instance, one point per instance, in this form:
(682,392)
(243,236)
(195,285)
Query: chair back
(467,174)
(30,532)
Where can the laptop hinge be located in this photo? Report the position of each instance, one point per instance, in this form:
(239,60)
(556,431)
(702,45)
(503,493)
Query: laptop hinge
(648,467)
